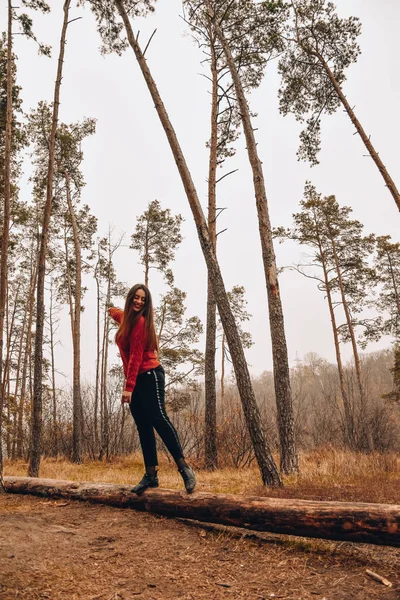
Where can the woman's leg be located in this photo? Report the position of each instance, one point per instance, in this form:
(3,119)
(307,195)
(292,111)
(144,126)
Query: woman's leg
(166,429)
(143,421)
(160,419)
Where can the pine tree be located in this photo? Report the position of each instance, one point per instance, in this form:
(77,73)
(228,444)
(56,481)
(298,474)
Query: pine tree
(224,130)
(35,448)
(257,26)
(110,29)
(319,47)
(156,237)
(24,24)
(343,254)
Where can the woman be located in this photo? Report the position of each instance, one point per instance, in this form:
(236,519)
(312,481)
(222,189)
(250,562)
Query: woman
(144,386)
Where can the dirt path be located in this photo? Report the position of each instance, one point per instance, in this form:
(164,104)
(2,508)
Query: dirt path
(58,550)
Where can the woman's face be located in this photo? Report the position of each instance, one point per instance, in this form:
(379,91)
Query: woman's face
(139,300)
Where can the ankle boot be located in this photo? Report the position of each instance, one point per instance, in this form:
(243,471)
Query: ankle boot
(148,481)
(189,478)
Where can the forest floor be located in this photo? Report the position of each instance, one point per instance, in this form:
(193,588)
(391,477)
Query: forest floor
(59,550)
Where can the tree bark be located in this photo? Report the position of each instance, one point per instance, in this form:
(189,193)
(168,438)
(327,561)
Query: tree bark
(269,472)
(146,258)
(105,426)
(76,334)
(36,430)
(17,385)
(283,394)
(223,368)
(357,363)
(210,430)
(347,521)
(97,277)
(348,415)
(53,377)
(28,350)
(6,214)
(365,138)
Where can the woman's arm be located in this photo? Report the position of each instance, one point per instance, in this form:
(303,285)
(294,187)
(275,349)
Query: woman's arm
(137,348)
(116,314)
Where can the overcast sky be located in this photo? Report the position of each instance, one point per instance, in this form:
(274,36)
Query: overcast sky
(128,162)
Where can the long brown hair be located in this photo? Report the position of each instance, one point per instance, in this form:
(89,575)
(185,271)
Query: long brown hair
(131,317)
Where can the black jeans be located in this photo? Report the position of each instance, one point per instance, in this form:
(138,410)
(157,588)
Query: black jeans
(148,409)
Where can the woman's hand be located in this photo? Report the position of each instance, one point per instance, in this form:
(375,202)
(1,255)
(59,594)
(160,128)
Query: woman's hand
(126,397)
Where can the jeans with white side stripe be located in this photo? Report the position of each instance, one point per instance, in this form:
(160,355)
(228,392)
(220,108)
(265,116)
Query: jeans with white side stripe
(148,410)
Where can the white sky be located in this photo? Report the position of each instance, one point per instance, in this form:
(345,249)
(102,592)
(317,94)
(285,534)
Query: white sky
(128,162)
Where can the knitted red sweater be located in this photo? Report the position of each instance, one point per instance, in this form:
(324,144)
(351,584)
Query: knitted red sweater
(135,357)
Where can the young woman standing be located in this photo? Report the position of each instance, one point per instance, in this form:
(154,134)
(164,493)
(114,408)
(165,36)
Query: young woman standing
(144,386)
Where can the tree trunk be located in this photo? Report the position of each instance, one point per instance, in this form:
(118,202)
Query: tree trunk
(348,414)
(6,388)
(97,388)
(269,472)
(28,350)
(6,214)
(105,426)
(36,430)
(146,257)
(357,363)
(223,368)
(53,376)
(69,284)
(16,388)
(347,521)
(289,457)
(210,431)
(76,335)
(105,445)
(365,138)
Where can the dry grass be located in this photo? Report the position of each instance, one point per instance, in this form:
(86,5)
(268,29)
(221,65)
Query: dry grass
(326,474)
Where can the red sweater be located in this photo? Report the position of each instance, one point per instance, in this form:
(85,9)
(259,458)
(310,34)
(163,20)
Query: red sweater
(135,357)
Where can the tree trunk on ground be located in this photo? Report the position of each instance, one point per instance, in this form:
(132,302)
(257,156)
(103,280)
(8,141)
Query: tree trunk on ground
(289,457)
(269,472)
(365,138)
(347,521)
(6,214)
(210,431)
(76,335)
(36,429)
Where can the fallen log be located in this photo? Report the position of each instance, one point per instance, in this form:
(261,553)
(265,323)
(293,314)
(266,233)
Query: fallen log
(347,521)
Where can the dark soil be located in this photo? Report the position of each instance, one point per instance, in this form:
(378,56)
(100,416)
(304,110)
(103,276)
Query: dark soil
(69,550)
